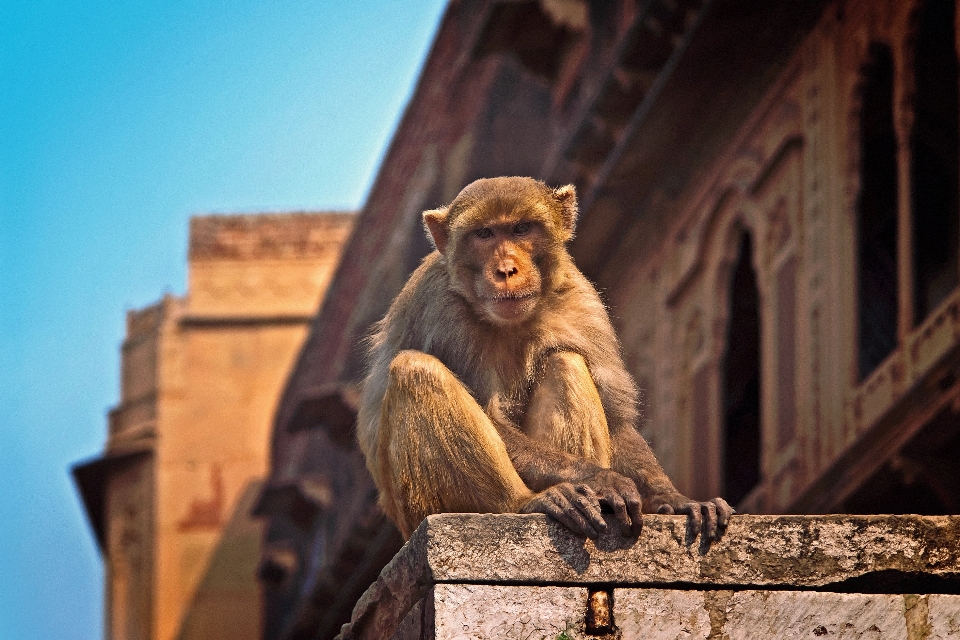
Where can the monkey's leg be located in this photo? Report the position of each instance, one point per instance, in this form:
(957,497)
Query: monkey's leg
(565,410)
(437,450)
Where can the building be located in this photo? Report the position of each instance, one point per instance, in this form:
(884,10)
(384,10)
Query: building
(169,499)
(769,203)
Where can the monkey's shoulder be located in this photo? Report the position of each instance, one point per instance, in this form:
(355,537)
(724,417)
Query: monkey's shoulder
(414,292)
(426,310)
(425,293)
(576,300)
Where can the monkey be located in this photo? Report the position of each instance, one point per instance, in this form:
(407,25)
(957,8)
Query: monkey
(496,382)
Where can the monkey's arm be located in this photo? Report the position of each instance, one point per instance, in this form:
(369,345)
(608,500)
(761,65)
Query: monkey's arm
(550,471)
(633,457)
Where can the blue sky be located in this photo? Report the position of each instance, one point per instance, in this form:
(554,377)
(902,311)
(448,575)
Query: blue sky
(118,120)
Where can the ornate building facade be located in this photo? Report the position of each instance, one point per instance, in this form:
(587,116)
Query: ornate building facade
(769,203)
(187,446)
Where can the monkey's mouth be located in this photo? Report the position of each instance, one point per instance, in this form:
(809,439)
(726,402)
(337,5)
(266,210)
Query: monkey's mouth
(512,306)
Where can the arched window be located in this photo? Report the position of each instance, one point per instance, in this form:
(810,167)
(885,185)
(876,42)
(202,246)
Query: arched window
(934,145)
(877,215)
(741,380)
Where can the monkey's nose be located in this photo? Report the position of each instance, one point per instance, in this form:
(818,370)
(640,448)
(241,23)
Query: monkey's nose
(506,271)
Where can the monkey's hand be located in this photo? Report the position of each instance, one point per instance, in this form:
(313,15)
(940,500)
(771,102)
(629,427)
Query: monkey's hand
(573,505)
(709,518)
(619,493)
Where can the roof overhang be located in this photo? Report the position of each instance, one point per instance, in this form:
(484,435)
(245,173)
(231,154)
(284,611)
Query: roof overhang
(91,478)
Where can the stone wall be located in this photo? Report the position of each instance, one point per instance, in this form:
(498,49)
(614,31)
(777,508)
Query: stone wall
(265,266)
(510,576)
(188,443)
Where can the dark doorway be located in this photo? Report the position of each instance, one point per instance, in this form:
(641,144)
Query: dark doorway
(741,380)
(934,147)
(877,215)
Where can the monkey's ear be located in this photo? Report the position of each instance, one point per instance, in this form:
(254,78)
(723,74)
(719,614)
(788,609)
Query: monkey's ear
(435,221)
(567,196)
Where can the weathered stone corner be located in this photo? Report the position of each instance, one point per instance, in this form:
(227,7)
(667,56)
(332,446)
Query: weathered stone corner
(505,576)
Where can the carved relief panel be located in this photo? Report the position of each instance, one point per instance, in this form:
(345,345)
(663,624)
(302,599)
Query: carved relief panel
(754,197)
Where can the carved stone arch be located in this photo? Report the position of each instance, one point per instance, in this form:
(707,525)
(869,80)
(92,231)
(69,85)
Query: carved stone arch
(744,178)
(789,145)
(698,241)
(732,198)
(743,172)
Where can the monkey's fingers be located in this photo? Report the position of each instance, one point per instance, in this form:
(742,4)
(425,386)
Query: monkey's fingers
(635,509)
(613,500)
(709,520)
(583,499)
(560,508)
(694,519)
(627,507)
(553,503)
(724,511)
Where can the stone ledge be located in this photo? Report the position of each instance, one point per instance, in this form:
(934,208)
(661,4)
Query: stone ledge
(854,554)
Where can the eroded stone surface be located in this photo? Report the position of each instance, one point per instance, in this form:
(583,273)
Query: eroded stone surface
(756,550)
(475,612)
(411,627)
(390,598)
(944,616)
(660,614)
(811,615)
(652,614)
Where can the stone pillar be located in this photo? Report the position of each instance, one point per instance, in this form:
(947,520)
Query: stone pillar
(512,576)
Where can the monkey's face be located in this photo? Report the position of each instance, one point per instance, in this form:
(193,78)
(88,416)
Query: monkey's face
(499,270)
(503,239)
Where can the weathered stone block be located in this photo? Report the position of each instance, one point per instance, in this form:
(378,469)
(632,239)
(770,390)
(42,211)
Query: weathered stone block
(661,614)
(469,611)
(651,614)
(756,550)
(798,614)
(944,616)
(492,576)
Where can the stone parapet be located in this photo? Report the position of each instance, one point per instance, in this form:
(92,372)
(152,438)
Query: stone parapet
(266,269)
(506,576)
(268,236)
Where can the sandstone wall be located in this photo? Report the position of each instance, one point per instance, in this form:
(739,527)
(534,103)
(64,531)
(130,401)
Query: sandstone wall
(189,440)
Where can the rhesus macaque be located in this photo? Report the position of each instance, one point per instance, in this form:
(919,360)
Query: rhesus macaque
(496,383)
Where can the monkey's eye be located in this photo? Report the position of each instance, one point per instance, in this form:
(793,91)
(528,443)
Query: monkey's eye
(484,233)
(521,228)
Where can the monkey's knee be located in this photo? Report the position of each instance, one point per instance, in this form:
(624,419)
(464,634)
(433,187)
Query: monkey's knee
(437,448)
(417,367)
(566,410)
(419,383)
(568,365)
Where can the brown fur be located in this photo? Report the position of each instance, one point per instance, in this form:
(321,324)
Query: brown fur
(496,374)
